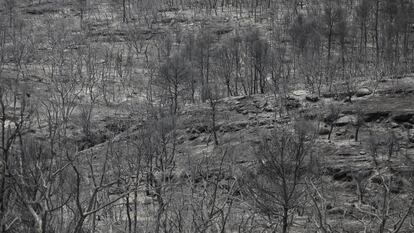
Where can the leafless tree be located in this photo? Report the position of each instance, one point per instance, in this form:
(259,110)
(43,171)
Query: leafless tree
(172,79)
(15,115)
(277,187)
(40,184)
(93,175)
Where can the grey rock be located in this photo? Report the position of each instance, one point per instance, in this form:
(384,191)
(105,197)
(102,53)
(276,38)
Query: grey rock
(363,92)
(323,131)
(345,120)
(312,98)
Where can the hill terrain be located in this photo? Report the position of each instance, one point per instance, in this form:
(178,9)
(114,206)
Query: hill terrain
(206,116)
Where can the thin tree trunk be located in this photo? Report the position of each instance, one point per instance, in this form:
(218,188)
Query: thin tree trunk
(127,205)
(124,11)
(5,165)
(356,133)
(376,30)
(285,220)
(79,225)
(135,210)
(330,131)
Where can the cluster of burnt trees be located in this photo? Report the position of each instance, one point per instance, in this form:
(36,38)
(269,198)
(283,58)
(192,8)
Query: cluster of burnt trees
(330,46)
(327,45)
(57,71)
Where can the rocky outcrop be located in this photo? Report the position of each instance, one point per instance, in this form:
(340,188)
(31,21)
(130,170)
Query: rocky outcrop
(404,117)
(377,115)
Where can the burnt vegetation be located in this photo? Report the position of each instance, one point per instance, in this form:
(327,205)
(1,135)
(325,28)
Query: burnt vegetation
(206,116)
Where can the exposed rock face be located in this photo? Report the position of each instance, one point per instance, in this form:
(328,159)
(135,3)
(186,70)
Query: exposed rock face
(363,92)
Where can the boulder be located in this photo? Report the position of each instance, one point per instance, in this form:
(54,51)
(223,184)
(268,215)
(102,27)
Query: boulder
(363,92)
(299,92)
(323,131)
(336,211)
(345,120)
(312,98)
